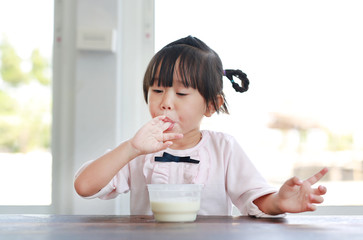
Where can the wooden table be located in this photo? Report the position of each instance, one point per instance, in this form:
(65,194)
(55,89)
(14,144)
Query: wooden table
(72,227)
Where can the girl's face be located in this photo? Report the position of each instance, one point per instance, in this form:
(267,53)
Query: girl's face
(184,107)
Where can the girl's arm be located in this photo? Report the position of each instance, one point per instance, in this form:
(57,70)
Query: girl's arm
(150,138)
(294,196)
(100,172)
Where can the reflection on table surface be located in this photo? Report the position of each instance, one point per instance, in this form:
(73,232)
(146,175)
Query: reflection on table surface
(205,227)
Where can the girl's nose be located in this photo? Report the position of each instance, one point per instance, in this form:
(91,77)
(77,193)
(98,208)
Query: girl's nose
(167,103)
(166,107)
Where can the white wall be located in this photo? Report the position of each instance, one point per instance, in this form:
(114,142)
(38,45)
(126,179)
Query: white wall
(97,94)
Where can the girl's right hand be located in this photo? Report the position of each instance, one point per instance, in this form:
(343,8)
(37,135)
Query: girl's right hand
(151,137)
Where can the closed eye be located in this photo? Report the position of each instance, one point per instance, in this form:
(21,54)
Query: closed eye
(157,91)
(182,94)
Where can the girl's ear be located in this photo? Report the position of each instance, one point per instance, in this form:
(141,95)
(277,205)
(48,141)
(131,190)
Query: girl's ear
(211,110)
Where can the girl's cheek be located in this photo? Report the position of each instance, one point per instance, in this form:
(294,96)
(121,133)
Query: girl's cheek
(152,113)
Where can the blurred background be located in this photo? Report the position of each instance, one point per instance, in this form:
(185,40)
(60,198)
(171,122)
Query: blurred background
(70,88)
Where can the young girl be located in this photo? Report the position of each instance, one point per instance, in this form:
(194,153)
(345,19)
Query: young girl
(183,84)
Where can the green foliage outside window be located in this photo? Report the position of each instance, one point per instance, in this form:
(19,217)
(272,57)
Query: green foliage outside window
(24,120)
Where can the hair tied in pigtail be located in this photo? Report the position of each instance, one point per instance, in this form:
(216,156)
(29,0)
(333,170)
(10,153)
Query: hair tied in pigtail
(229,73)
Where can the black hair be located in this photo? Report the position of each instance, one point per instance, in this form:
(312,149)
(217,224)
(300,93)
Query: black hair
(229,73)
(199,67)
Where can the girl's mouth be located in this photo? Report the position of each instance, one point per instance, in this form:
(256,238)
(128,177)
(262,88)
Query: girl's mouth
(166,119)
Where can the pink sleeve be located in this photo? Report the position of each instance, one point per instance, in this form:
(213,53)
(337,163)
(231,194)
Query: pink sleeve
(244,182)
(118,184)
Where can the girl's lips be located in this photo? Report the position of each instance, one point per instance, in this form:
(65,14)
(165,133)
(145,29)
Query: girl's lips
(166,119)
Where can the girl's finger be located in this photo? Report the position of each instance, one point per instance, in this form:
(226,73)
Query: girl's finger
(158,119)
(172,136)
(314,179)
(166,125)
(311,207)
(293,182)
(321,190)
(161,124)
(316,198)
(163,145)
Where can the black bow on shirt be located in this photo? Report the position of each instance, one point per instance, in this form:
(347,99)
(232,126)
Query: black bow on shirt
(171,158)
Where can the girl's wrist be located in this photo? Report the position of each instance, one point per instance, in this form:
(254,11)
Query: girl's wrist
(131,149)
(270,204)
(125,152)
(277,204)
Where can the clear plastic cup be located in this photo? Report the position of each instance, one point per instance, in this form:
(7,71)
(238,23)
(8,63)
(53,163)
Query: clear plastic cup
(175,202)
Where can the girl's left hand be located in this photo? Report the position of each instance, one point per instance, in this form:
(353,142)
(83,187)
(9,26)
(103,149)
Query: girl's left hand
(298,196)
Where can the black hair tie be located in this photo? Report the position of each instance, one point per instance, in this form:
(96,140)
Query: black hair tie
(229,73)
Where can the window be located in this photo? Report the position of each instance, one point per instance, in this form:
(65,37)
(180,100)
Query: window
(304,60)
(25,103)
